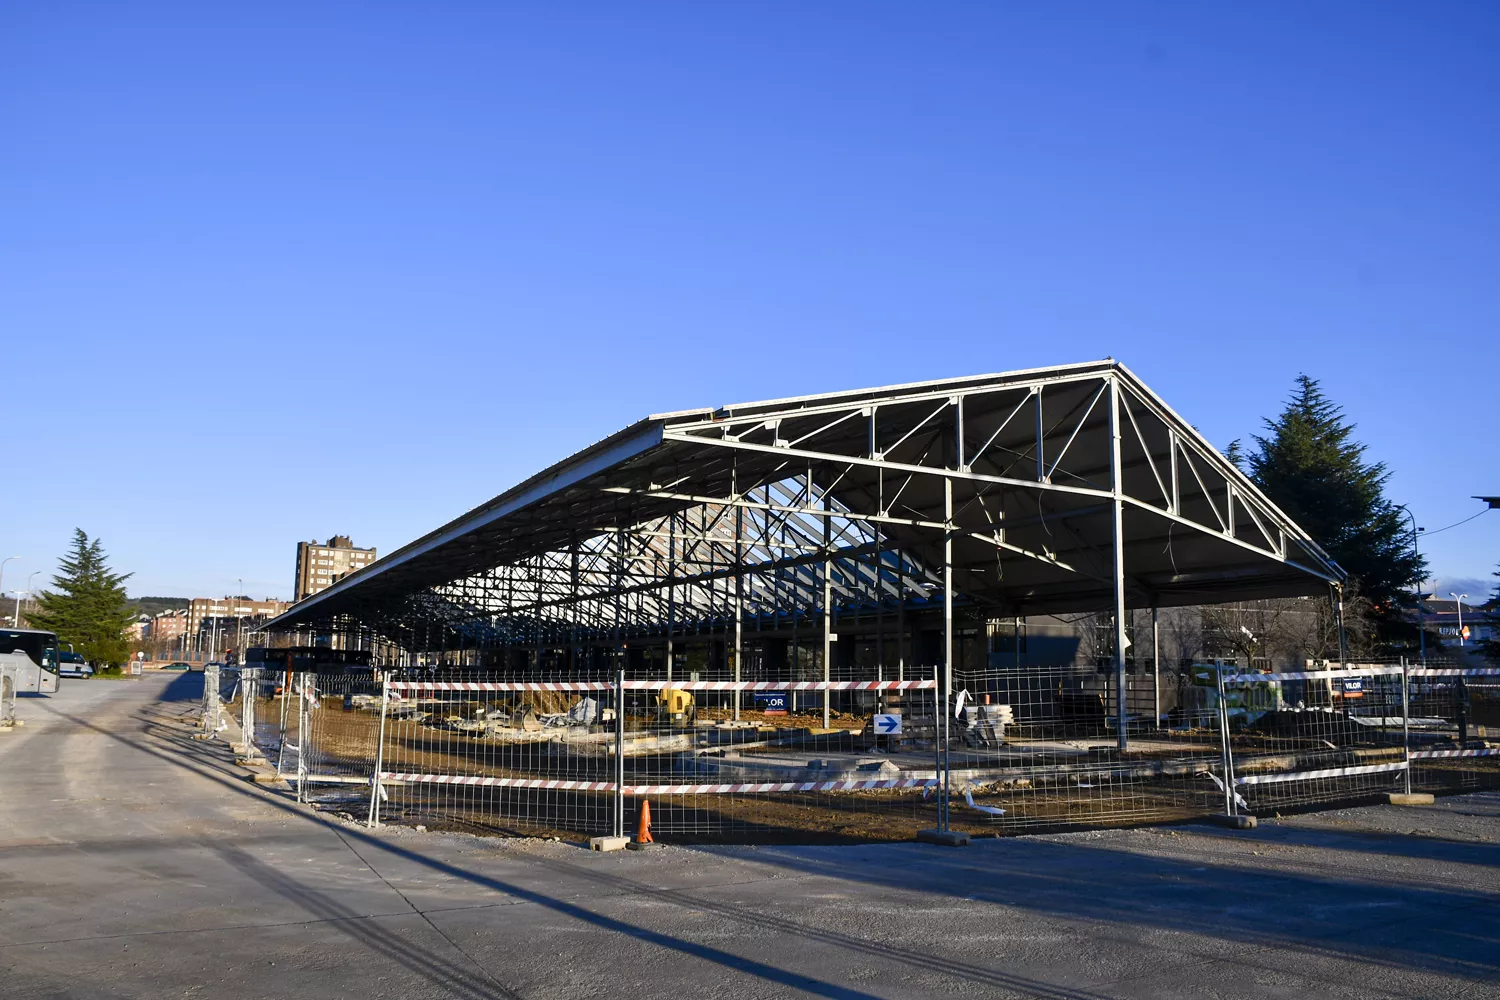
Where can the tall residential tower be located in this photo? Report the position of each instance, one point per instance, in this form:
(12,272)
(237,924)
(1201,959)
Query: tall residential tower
(321,566)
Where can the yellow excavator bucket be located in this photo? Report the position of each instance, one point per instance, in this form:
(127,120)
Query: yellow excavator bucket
(675,701)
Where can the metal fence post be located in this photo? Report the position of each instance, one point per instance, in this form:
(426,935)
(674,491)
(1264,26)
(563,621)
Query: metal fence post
(619,803)
(249,691)
(1226,752)
(304,730)
(210,700)
(1406,721)
(281,746)
(940,740)
(385,698)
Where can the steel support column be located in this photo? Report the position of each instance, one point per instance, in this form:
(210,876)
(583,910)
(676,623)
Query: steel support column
(1117,548)
(1156,666)
(947,693)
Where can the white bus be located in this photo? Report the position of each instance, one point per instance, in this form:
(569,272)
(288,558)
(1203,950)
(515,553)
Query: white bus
(28,657)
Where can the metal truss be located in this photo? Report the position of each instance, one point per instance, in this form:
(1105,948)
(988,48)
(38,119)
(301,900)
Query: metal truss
(879,512)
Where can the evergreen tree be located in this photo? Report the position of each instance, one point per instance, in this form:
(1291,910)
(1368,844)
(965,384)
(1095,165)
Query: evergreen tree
(1491,647)
(1236,454)
(1310,466)
(89,608)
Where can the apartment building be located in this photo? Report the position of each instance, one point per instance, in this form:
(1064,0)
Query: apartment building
(320,566)
(201,609)
(168,624)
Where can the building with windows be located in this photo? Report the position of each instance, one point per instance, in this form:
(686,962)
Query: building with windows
(1450,620)
(167,625)
(321,566)
(202,609)
(139,629)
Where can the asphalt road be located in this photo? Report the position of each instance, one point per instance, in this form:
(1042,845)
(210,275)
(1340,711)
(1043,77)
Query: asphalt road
(135,862)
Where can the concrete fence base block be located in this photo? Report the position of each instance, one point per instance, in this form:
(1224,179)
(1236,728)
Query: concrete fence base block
(1234,822)
(944,838)
(1410,798)
(608,843)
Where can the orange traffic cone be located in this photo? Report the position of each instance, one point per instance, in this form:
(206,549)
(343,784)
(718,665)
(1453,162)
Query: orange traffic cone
(643,828)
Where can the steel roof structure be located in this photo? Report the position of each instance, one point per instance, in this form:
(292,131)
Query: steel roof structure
(1031,492)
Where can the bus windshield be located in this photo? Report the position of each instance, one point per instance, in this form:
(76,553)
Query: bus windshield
(40,647)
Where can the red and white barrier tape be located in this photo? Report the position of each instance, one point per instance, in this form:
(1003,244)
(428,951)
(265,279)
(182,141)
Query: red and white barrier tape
(780,786)
(1454,672)
(609,786)
(460,779)
(1382,671)
(1311,675)
(663,685)
(1327,772)
(501,686)
(1429,754)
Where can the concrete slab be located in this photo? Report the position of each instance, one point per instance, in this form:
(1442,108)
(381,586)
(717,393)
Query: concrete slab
(1410,799)
(943,838)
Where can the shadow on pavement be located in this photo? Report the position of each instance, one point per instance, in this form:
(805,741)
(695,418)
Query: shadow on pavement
(1296,914)
(471,984)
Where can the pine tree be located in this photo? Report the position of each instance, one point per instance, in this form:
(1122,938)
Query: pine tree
(1311,467)
(89,608)
(1491,647)
(1236,454)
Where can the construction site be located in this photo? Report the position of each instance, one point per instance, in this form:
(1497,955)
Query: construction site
(803,620)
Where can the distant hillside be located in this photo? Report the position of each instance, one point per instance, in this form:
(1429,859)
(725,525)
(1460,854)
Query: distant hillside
(156,605)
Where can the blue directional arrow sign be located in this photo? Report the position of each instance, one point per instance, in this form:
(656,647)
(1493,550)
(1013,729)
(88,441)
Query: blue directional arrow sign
(888,725)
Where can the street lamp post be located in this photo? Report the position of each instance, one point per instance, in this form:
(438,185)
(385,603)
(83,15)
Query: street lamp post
(1458,600)
(29,592)
(239,625)
(19,594)
(1421,632)
(2,571)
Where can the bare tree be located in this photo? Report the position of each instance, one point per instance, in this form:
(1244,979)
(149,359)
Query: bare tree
(1286,631)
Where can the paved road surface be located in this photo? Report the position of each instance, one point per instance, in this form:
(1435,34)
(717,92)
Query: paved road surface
(136,863)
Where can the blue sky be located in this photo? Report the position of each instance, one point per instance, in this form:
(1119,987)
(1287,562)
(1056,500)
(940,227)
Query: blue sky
(271,272)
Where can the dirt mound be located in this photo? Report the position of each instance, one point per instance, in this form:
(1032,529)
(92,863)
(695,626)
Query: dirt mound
(1335,727)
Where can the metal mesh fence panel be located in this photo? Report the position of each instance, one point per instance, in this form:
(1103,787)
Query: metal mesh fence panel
(7,697)
(336,721)
(1039,747)
(210,714)
(1455,729)
(1313,737)
(248,691)
(716,759)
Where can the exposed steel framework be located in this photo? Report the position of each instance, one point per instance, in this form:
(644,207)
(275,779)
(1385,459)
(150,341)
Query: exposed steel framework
(845,534)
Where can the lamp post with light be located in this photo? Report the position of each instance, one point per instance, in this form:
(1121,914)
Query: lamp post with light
(29,595)
(1421,632)
(1458,600)
(2,570)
